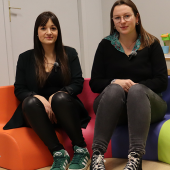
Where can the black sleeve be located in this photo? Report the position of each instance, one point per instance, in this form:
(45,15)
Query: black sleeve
(159,81)
(76,85)
(98,80)
(21,91)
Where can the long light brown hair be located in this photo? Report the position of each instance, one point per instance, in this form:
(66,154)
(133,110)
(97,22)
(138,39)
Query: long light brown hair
(39,52)
(146,38)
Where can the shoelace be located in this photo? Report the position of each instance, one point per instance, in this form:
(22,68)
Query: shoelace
(59,162)
(132,163)
(77,157)
(98,162)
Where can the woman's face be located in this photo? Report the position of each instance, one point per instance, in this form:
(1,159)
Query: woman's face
(48,34)
(124,19)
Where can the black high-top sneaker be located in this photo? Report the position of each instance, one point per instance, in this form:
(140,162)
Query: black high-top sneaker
(134,162)
(97,162)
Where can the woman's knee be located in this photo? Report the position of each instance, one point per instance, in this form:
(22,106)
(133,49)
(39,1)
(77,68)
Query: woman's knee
(114,91)
(29,103)
(138,90)
(60,98)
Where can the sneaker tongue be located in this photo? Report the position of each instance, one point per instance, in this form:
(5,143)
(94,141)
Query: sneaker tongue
(78,149)
(97,152)
(58,153)
(134,154)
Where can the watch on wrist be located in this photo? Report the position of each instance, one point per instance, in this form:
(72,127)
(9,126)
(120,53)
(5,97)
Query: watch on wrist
(113,81)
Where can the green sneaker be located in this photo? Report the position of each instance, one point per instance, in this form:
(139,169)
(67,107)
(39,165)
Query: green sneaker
(61,160)
(81,159)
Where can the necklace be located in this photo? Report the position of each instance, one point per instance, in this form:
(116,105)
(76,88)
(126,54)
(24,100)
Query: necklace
(129,46)
(49,66)
(49,63)
(46,61)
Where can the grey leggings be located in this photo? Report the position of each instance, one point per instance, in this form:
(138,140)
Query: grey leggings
(139,107)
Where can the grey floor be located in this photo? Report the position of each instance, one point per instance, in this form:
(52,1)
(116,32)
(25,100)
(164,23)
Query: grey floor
(119,164)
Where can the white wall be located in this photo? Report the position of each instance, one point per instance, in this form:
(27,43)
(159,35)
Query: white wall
(155,16)
(4,75)
(106,8)
(91,32)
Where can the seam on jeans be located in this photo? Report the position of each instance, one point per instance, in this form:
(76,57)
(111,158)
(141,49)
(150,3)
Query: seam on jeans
(98,146)
(141,152)
(151,94)
(151,91)
(99,102)
(102,93)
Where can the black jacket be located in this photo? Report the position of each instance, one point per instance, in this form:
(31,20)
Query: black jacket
(26,84)
(148,67)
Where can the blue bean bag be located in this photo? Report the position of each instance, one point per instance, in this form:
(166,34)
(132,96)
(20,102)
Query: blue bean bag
(158,141)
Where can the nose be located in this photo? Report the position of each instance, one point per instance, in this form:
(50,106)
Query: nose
(48,31)
(122,20)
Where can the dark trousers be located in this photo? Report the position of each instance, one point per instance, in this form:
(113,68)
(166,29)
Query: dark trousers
(139,107)
(66,110)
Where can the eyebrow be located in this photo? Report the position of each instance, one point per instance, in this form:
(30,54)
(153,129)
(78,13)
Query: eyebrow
(50,26)
(123,14)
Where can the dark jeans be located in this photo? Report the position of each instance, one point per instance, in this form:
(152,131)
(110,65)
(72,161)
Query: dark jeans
(66,110)
(139,107)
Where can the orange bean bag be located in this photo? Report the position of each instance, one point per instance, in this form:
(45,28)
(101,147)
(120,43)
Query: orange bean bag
(22,149)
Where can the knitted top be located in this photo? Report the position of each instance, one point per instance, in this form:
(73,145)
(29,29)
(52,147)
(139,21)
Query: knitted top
(148,67)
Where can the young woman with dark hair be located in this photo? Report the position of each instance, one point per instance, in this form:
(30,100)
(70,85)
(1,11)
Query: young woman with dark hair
(48,80)
(129,71)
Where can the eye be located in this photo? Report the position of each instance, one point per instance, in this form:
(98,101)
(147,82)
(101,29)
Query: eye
(127,16)
(54,28)
(117,18)
(42,28)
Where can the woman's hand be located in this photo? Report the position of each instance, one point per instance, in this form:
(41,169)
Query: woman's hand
(125,84)
(50,98)
(48,109)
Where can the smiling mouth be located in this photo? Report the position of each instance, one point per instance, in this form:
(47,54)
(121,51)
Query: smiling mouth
(124,27)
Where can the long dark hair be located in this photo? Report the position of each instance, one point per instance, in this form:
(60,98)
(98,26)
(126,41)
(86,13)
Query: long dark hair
(146,38)
(39,52)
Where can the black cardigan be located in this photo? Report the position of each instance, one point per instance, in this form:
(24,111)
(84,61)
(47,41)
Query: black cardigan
(26,84)
(148,67)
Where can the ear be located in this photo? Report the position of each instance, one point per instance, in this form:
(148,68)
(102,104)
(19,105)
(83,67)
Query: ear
(137,18)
